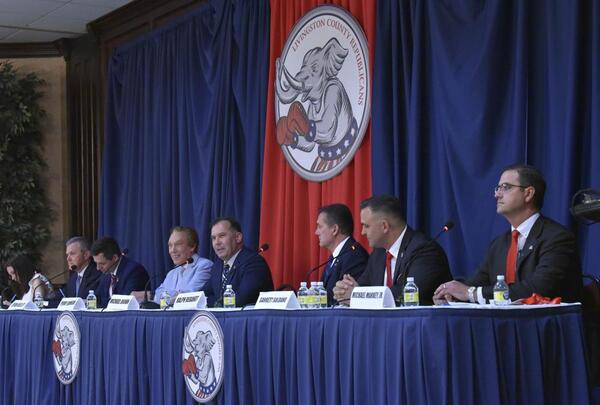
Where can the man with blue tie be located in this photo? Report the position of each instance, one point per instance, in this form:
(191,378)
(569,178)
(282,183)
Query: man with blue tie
(121,275)
(243,268)
(84,275)
(334,230)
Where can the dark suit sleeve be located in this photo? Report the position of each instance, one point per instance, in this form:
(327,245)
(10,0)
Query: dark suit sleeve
(428,264)
(208,289)
(256,278)
(136,281)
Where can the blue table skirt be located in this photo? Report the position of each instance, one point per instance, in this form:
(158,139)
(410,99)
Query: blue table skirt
(336,356)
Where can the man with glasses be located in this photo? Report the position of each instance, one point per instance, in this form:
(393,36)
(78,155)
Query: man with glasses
(538,255)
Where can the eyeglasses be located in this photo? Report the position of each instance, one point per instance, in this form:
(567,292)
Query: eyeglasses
(504,187)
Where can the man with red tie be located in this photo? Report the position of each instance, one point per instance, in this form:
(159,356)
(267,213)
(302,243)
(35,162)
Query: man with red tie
(399,252)
(538,255)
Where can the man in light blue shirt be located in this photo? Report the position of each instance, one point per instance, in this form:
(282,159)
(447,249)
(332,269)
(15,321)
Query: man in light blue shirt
(192,272)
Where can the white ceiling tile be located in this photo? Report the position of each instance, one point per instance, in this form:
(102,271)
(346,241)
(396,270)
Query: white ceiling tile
(4,32)
(37,7)
(58,23)
(17,19)
(81,11)
(35,36)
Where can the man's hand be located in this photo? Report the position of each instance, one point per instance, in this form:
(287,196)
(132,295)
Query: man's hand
(343,289)
(451,291)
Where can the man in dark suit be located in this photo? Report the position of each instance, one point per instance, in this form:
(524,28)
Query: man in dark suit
(121,275)
(243,268)
(538,255)
(399,252)
(334,230)
(84,275)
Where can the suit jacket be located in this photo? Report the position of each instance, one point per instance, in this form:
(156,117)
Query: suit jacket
(90,281)
(249,275)
(349,261)
(131,276)
(418,257)
(548,264)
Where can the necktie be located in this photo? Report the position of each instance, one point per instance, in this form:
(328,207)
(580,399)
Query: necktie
(224,278)
(388,269)
(511,258)
(113,283)
(77,285)
(328,268)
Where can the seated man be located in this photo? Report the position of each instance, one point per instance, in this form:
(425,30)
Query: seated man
(334,229)
(84,275)
(121,275)
(396,246)
(189,275)
(246,271)
(537,256)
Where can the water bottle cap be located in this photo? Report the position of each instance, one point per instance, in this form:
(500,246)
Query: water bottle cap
(91,292)
(303,284)
(228,286)
(410,279)
(500,277)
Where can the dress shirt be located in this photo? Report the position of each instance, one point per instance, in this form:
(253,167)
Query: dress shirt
(186,278)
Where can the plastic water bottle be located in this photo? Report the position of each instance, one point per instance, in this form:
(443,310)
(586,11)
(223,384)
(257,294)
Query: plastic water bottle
(501,291)
(303,295)
(229,297)
(322,295)
(313,295)
(39,300)
(91,301)
(165,299)
(411,293)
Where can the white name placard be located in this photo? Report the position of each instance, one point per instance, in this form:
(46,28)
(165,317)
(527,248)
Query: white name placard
(277,300)
(122,303)
(24,305)
(190,300)
(372,298)
(71,304)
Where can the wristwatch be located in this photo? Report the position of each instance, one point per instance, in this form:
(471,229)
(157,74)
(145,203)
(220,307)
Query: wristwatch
(471,294)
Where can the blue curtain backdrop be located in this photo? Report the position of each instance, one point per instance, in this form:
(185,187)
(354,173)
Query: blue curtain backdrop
(184,130)
(460,89)
(464,88)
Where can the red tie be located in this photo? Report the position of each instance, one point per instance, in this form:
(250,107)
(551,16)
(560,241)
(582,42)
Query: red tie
(511,258)
(388,269)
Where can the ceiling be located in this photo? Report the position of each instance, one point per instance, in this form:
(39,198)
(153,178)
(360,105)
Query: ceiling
(49,20)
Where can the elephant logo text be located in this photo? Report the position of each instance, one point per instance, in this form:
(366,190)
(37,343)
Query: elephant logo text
(66,348)
(322,93)
(202,357)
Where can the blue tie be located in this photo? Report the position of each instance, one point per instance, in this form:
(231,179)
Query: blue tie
(77,285)
(328,268)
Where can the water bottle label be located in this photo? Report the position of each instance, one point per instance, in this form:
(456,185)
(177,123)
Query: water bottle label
(301,300)
(163,303)
(324,300)
(500,296)
(91,304)
(229,301)
(411,298)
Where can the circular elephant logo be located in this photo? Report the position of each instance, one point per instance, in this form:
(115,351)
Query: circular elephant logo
(202,357)
(66,347)
(322,93)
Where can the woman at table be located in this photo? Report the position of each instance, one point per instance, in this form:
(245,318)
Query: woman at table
(24,280)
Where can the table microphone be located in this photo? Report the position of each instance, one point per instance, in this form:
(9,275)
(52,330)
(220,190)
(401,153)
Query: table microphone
(263,248)
(447,227)
(147,304)
(311,271)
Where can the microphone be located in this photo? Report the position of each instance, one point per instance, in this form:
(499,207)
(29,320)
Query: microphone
(446,228)
(47,281)
(311,271)
(263,248)
(124,252)
(147,304)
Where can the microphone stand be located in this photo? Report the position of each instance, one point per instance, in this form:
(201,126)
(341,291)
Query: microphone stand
(311,271)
